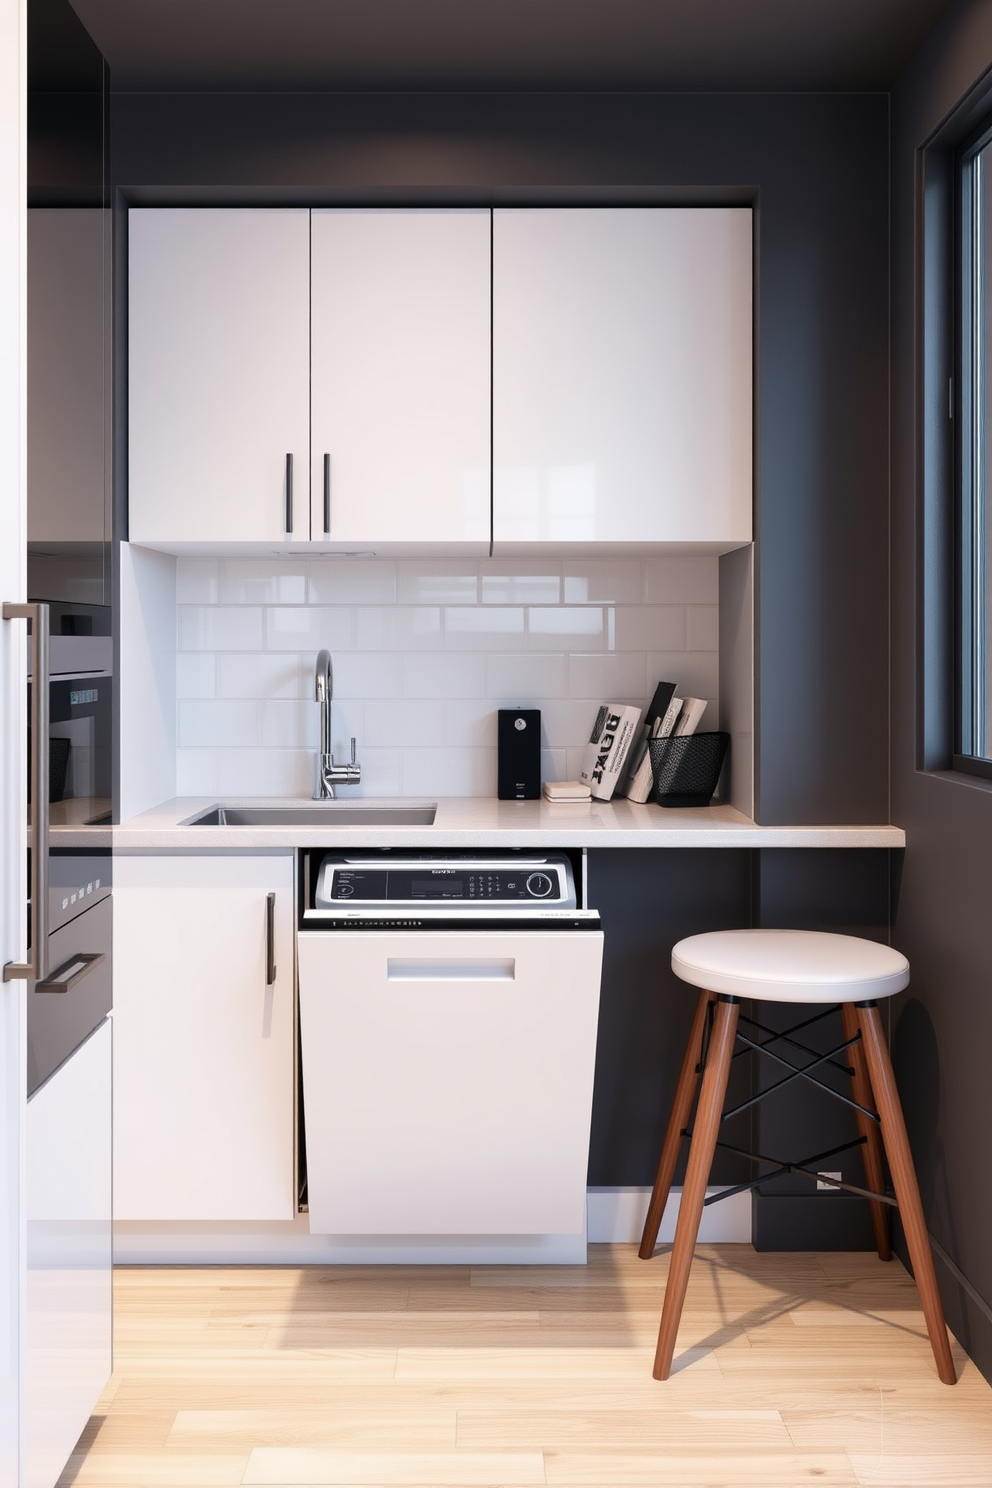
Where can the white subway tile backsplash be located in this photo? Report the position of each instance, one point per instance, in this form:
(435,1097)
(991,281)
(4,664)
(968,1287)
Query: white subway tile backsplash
(264,674)
(444,674)
(196,674)
(425,652)
(399,724)
(650,627)
(470,721)
(289,724)
(198,581)
(568,627)
(437,582)
(610,676)
(601,581)
(702,627)
(398,628)
(308,628)
(675,578)
(219,628)
(362,674)
(252,581)
(520,587)
(449,772)
(217,721)
(516,680)
(483,629)
(348,581)
(695,673)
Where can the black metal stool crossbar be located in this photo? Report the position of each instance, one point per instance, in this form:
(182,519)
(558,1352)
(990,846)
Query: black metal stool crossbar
(789,966)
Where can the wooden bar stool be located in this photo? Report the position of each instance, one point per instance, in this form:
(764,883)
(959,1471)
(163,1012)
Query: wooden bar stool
(800,966)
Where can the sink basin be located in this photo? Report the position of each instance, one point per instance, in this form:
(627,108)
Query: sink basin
(319,814)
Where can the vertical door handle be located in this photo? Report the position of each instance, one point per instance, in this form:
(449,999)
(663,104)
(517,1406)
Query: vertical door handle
(270,939)
(36,967)
(327,495)
(289,495)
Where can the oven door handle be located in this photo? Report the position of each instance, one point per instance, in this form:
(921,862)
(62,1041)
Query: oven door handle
(71,972)
(36,967)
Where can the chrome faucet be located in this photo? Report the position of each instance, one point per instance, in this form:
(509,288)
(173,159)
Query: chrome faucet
(328,773)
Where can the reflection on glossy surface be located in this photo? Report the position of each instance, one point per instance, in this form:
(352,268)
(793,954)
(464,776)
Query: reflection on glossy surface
(319,814)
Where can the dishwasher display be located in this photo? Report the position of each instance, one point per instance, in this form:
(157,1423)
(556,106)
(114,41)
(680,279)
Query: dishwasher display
(448,1051)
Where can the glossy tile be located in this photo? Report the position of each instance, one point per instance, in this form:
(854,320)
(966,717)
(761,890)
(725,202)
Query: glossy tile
(469,628)
(470,722)
(347,581)
(261,674)
(197,580)
(682,579)
(602,581)
(444,674)
(219,628)
(515,680)
(217,721)
(567,627)
(196,674)
(365,674)
(403,724)
(289,724)
(398,628)
(437,582)
(696,673)
(650,627)
(520,587)
(254,581)
(449,772)
(609,675)
(308,627)
(702,627)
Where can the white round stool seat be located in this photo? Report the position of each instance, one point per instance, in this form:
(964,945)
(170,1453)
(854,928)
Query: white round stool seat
(790,965)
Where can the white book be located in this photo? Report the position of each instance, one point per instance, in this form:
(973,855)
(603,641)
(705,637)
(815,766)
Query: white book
(692,711)
(613,735)
(642,783)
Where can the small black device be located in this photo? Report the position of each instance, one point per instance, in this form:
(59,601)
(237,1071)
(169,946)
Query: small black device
(518,767)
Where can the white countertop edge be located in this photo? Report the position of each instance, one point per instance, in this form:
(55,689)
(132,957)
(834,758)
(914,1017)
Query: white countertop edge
(479,822)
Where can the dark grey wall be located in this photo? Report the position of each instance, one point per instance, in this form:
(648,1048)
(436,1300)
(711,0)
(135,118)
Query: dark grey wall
(943,1029)
(817,167)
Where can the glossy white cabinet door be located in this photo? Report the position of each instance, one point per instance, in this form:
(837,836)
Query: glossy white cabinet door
(218,376)
(401,379)
(204,1073)
(622,376)
(447,1080)
(69,1244)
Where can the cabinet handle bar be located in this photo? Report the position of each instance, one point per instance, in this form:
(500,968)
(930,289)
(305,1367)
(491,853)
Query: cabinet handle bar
(327,495)
(270,939)
(289,495)
(37,964)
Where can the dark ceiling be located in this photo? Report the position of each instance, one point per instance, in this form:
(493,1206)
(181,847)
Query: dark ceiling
(694,45)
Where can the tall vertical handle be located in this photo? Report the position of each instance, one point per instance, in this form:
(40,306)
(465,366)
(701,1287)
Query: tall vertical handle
(36,967)
(289,495)
(270,939)
(327,495)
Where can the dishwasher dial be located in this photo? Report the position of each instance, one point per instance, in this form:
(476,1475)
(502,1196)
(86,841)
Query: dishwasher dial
(540,885)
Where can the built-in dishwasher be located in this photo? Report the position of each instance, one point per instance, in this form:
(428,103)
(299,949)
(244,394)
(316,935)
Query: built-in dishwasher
(448,1015)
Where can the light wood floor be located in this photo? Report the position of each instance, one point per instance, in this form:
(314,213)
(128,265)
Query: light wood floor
(790,1369)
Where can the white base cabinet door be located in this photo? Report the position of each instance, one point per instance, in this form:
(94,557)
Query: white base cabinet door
(204,1079)
(218,375)
(400,386)
(69,1284)
(447,1080)
(621,376)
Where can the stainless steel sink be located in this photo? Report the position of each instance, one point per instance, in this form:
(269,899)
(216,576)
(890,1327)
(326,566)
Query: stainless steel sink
(319,814)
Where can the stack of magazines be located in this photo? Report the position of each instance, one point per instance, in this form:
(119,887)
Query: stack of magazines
(617,760)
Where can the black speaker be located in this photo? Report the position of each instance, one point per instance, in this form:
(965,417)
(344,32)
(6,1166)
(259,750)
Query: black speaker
(518,768)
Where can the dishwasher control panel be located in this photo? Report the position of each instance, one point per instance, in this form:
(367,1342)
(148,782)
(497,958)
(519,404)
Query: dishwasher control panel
(392,889)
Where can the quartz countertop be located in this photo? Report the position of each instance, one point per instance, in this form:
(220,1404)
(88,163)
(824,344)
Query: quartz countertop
(474,822)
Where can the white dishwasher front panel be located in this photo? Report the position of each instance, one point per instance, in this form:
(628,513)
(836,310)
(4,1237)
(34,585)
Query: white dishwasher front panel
(447,1079)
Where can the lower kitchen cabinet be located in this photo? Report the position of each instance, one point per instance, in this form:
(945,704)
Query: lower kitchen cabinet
(204,1015)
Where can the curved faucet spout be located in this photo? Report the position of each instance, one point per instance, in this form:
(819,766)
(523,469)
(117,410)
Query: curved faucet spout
(328,773)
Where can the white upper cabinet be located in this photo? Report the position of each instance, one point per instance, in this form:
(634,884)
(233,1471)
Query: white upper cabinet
(401,379)
(621,377)
(218,375)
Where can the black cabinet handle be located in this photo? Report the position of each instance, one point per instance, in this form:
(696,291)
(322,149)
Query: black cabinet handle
(289,495)
(37,964)
(327,495)
(270,939)
(71,972)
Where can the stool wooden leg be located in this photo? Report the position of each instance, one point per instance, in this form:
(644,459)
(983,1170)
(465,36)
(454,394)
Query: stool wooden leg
(701,1149)
(904,1182)
(872,1150)
(685,1094)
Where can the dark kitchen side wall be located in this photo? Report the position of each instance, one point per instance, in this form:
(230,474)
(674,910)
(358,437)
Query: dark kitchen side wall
(943,1023)
(816,169)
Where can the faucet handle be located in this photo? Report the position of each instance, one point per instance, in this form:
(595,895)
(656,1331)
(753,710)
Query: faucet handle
(353,755)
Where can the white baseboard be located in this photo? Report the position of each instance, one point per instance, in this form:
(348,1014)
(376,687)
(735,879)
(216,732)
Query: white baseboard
(614,1215)
(617,1215)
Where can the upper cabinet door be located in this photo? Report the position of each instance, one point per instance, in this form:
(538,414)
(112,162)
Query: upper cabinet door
(219,331)
(401,379)
(622,376)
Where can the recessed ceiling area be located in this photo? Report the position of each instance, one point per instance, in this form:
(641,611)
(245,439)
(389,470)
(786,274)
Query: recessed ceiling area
(693,45)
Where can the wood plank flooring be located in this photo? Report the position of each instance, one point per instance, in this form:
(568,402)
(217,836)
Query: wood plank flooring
(790,1369)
